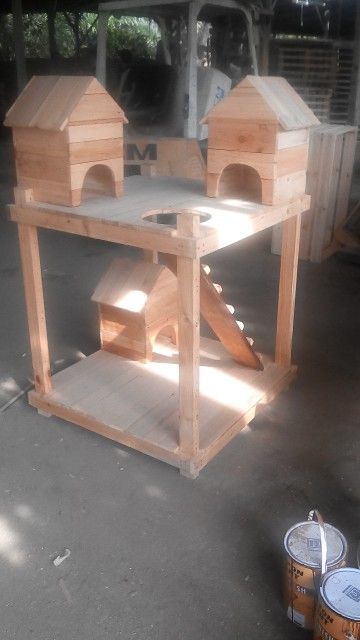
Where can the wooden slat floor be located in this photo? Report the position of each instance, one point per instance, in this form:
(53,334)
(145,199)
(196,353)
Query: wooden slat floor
(138,402)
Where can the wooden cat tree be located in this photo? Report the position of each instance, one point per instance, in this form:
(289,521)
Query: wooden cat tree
(186,402)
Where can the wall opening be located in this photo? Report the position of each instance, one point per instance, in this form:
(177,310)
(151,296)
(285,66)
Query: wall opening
(99,180)
(240,181)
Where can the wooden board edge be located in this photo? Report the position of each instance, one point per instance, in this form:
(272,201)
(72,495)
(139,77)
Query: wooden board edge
(44,403)
(151,238)
(207,454)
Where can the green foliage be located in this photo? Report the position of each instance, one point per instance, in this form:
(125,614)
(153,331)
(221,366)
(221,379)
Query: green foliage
(35,35)
(6,38)
(76,31)
(139,35)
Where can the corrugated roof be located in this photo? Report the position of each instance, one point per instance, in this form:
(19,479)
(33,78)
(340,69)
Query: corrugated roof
(47,102)
(265,99)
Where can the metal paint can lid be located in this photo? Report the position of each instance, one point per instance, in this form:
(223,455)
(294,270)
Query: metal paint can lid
(302,543)
(340,590)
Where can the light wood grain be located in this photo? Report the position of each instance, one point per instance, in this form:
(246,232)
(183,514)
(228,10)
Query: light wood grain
(136,404)
(124,221)
(287,290)
(188,275)
(31,268)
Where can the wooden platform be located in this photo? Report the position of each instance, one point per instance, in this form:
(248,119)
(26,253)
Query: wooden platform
(128,220)
(116,398)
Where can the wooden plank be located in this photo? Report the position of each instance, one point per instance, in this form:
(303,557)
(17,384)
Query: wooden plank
(221,320)
(83,133)
(24,110)
(79,170)
(291,110)
(123,220)
(223,323)
(233,135)
(35,142)
(346,172)
(60,102)
(313,186)
(108,431)
(31,268)
(287,188)
(263,163)
(286,139)
(292,160)
(188,274)
(115,398)
(47,190)
(287,290)
(95,107)
(268,166)
(335,192)
(331,157)
(95,150)
(222,427)
(104,230)
(235,108)
(39,167)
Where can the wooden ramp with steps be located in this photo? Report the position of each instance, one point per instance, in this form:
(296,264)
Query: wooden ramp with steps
(220,319)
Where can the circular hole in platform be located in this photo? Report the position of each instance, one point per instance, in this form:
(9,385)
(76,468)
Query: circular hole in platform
(169,218)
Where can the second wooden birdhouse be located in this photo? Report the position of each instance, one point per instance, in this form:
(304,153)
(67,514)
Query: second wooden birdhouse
(137,301)
(68,139)
(258,142)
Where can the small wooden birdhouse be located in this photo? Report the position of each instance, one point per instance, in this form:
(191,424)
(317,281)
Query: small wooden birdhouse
(258,142)
(137,301)
(68,139)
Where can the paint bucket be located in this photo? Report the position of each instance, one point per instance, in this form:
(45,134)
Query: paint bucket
(312,548)
(338,612)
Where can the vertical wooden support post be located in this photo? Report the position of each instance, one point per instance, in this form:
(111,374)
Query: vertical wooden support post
(101,47)
(31,268)
(18,27)
(191,122)
(251,39)
(188,274)
(287,290)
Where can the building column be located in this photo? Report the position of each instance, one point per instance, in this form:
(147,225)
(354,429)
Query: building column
(19,42)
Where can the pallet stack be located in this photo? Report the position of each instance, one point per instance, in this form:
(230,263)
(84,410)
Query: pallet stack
(312,72)
(331,160)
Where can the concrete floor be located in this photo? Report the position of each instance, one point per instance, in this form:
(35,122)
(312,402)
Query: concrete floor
(155,556)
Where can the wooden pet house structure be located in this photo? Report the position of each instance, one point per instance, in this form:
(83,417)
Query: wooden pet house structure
(68,139)
(137,300)
(258,142)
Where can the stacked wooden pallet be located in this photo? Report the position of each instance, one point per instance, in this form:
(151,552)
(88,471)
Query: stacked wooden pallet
(312,72)
(331,161)
(340,111)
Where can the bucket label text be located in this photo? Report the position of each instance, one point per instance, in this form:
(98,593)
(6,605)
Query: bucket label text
(352,592)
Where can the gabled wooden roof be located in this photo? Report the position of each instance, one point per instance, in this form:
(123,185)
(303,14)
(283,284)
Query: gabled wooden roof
(265,99)
(130,285)
(47,102)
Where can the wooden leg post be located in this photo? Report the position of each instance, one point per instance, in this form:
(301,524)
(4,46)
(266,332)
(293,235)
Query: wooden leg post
(188,273)
(30,260)
(287,290)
